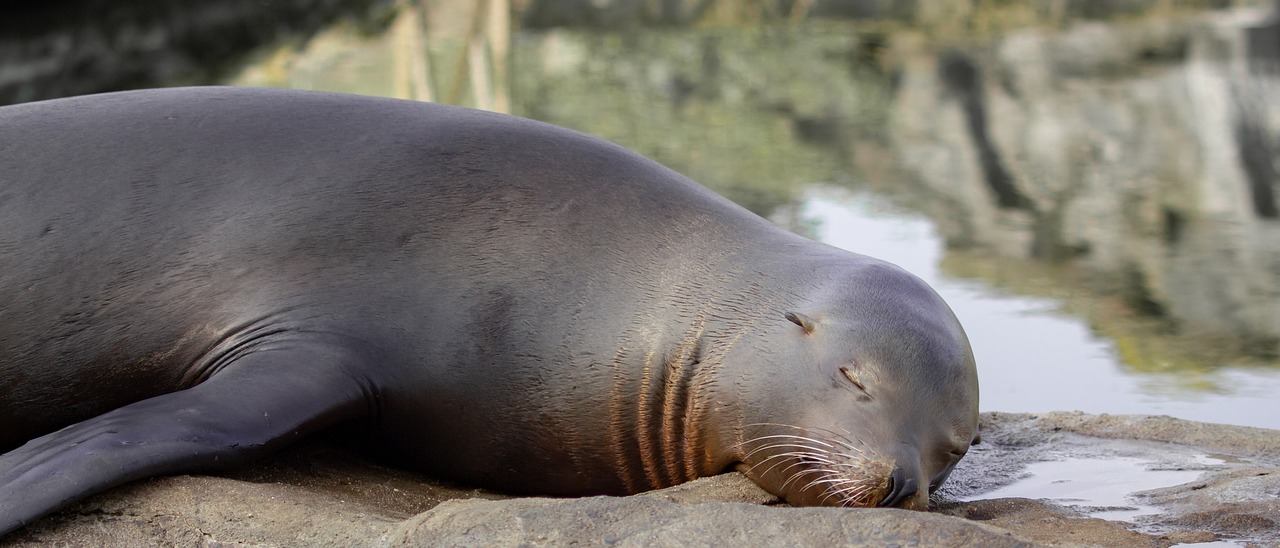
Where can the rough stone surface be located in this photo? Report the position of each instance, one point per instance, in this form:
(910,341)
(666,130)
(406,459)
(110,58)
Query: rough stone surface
(1241,503)
(317,495)
(1255,443)
(1046,523)
(648,521)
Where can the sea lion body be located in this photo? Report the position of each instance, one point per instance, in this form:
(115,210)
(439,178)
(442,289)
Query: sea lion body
(192,277)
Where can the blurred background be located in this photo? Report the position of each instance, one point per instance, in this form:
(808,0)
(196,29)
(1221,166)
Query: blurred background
(1091,184)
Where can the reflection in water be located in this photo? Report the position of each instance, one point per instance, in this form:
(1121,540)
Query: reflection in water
(1151,180)
(1033,357)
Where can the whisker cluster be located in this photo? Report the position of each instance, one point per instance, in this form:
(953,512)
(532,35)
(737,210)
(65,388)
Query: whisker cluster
(848,473)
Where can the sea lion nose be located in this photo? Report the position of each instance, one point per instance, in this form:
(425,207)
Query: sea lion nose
(902,486)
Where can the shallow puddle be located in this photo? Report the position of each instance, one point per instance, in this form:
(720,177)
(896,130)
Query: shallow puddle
(1101,487)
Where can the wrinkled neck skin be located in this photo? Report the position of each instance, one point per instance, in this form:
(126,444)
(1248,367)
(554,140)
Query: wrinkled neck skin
(858,388)
(690,358)
(678,414)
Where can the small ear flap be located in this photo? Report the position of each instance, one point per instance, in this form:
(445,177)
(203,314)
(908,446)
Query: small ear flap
(977,438)
(801,320)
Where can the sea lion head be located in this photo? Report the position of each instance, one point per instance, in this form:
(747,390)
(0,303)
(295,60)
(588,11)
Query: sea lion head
(880,393)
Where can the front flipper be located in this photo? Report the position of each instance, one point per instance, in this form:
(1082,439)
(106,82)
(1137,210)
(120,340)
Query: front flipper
(263,400)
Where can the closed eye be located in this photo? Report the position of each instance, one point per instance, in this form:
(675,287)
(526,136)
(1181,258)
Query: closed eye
(853,378)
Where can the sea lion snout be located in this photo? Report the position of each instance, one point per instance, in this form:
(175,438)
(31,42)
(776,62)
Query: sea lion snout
(819,467)
(902,487)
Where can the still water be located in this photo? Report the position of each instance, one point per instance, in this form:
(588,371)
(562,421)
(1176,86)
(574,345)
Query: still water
(1101,487)
(1145,277)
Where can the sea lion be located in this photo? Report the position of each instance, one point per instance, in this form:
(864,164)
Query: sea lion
(194,277)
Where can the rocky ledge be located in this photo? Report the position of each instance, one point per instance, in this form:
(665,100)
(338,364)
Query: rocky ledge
(1229,489)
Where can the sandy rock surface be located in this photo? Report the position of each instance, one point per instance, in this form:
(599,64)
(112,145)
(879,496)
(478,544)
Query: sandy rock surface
(316,495)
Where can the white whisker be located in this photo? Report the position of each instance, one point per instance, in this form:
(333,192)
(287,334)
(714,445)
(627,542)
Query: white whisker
(847,472)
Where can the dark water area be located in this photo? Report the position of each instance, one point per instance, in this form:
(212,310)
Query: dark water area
(76,47)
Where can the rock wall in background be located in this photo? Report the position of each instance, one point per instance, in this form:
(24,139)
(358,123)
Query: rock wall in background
(1143,154)
(73,47)
(952,16)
